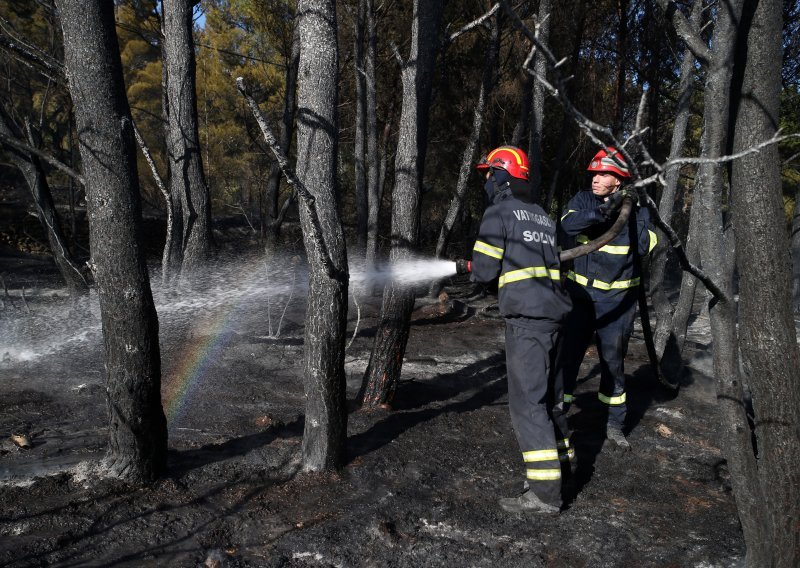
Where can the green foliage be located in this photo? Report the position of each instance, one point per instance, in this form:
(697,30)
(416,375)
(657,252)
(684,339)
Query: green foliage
(240,39)
(138,31)
(253,38)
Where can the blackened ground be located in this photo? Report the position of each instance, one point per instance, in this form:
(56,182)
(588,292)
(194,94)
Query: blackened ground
(421,484)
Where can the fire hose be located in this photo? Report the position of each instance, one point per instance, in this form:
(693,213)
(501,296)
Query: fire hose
(465,266)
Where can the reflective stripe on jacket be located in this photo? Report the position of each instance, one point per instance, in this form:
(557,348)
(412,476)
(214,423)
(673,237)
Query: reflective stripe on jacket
(612,268)
(517,246)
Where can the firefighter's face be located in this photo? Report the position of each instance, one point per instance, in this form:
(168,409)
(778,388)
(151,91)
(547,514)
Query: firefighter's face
(604,184)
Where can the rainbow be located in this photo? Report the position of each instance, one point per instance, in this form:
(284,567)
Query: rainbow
(193,363)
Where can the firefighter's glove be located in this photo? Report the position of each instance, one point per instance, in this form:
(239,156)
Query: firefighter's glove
(611,205)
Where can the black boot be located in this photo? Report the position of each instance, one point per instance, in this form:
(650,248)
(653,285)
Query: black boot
(617,439)
(528,502)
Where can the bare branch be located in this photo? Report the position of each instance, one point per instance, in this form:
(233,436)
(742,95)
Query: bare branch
(165,256)
(20,145)
(474,24)
(594,131)
(677,246)
(687,31)
(291,177)
(776,139)
(149,159)
(30,54)
(396,52)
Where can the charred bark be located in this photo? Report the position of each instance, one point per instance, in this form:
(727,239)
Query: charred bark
(767,335)
(716,248)
(360,173)
(566,120)
(326,316)
(468,157)
(622,64)
(795,241)
(374,158)
(537,104)
(138,431)
(187,179)
(385,364)
(665,329)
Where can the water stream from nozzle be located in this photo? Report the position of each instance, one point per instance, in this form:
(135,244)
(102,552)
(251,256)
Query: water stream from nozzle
(250,294)
(407,272)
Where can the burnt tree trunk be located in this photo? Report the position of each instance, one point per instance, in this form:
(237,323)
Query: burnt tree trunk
(187,179)
(373,157)
(138,428)
(521,128)
(537,103)
(468,157)
(360,173)
(672,362)
(386,359)
(622,74)
(795,242)
(566,120)
(664,337)
(285,135)
(173,245)
(716,253)
(326,316)
(33,172)
(767,335)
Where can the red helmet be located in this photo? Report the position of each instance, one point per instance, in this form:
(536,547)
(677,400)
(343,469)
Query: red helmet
(611,161)
(509,158)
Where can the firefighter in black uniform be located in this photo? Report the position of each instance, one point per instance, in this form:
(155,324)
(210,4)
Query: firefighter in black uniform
(517,247)
(604,285)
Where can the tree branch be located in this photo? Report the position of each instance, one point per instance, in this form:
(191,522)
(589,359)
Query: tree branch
(687,31)
(291,177)
(594,131)
(30,54)
(472,25)
(19,145)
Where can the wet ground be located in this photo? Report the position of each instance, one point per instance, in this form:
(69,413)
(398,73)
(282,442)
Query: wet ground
(421,484)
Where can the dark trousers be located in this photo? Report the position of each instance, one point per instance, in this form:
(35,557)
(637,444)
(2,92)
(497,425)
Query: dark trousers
(610,322)
(535,403)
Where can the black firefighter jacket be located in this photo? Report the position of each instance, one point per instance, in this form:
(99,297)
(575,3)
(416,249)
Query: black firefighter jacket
(517,245)
(613,269)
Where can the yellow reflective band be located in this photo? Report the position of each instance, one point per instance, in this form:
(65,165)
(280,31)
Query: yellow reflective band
(488,250)
(610,249)
(540,455)
(564,216)
(544,474)
(568,455)
(615,249)
(600,285)
(612,400)
(530,272)
(582,280)
(507,149)
(568,398)
(653,241)
(562,443)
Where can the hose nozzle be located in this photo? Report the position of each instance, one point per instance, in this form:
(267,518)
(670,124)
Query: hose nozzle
(463,266)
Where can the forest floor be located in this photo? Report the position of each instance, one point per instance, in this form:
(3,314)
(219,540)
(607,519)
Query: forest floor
(422,479)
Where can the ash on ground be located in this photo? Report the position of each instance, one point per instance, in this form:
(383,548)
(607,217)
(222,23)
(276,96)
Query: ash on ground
(422,479)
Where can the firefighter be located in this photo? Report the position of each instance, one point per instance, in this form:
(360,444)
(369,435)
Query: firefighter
(604,285)
(517,248)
